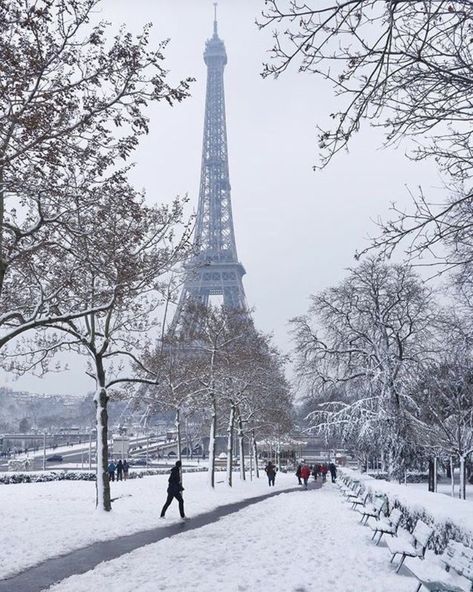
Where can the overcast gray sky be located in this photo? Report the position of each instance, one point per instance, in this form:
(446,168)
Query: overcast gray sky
(296,229)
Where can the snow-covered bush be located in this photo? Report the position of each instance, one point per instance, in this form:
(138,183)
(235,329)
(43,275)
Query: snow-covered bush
(411,476)
(42,477)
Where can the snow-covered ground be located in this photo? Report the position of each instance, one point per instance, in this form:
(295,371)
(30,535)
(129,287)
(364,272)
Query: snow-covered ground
(303,541)
(307,541)
(445,488)
(41,520)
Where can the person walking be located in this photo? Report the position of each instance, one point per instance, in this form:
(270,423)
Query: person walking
(120,470)
(315,471)
(175,490)
(333,471)
(305,474)
(298,473)
(271,473)
(126,468)
(324,471)
(111,470)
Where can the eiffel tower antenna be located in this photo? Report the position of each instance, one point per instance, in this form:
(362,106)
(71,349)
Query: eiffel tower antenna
(214,269)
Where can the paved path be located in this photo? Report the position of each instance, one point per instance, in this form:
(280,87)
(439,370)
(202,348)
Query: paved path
(40,577)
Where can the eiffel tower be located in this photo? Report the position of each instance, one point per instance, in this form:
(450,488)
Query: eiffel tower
(214,269)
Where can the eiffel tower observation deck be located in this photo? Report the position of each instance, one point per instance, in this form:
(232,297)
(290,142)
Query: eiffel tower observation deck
(214,269)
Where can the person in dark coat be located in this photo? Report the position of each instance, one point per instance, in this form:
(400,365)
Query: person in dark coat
(120,470)
(333,471)
(315,471)
(298,473)
(111,470)
(175,490)
(271,473)
(126,468)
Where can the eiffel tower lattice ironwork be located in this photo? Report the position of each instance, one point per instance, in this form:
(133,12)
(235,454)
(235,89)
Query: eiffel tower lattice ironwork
(214,269)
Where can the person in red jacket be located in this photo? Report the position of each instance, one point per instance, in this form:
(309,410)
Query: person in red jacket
(324,471)
(305,474)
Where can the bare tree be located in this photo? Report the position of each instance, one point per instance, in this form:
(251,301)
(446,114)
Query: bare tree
(178,386)
(215,332)
(405,67)
(371,332)
(71,99)
(445,397)
(118,263)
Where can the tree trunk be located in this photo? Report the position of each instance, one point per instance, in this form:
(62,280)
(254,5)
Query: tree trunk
(452,476)
(178,430)
(431,475)
(3,260)
(231,422)
(255,452)
(102,499)
(462,491)
(383,462)
(213,433)
(241,445)
(250,455)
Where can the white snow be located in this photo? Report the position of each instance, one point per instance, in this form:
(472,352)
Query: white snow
(303,541)
(41,520)
(307,541)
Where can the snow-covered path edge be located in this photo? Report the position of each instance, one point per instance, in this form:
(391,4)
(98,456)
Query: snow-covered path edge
(45,520)
(295,542)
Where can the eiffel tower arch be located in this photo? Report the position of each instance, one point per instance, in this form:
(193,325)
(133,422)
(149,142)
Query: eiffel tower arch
(214,269)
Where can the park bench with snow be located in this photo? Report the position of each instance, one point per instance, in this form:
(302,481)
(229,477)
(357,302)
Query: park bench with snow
(349,487)
(453,573)
(353,492)
(414,546)
(360,501)
(387,525)
(372,510)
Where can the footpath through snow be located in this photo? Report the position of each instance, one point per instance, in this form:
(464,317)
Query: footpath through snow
(44,520)
(305,541)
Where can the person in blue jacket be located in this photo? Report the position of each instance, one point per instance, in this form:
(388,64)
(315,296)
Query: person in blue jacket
(111,470)
(175,490)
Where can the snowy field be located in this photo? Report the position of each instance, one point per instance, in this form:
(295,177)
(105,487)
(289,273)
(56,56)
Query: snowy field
(445,488)
(307,541)
(41,520)
(303,541)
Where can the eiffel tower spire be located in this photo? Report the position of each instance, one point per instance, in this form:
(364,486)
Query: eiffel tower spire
(214,269)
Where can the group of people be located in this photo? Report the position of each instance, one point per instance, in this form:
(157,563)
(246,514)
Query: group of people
(304,471)
(120,469)
(175,488)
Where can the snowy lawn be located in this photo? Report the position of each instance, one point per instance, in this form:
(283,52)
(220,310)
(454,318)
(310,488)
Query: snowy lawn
(41,520)
(307,541)
(445,488)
